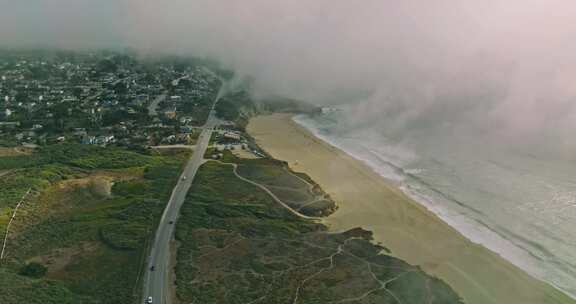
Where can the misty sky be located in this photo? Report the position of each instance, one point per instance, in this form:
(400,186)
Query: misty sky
(503,68)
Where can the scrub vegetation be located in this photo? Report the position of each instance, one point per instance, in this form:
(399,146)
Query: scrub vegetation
(295,189)
(238,245)
(300,193)
(82,233)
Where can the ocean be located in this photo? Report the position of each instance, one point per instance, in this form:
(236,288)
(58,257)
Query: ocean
(518,204)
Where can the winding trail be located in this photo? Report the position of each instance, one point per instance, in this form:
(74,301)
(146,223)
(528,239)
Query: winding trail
(339,250)
(331,259)
(10,223)
(3,173)
(279,201)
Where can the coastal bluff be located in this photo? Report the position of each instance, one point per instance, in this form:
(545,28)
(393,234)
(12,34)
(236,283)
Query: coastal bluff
(409,230)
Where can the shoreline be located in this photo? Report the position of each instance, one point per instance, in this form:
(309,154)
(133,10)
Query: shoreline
(409,229)
(476,231)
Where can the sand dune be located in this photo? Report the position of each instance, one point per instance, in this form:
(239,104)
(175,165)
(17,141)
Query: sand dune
(400,224)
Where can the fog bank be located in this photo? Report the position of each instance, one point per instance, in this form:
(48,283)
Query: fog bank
(500,70)
(505,69)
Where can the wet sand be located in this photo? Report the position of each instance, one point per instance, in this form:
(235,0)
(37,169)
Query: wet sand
(408,229)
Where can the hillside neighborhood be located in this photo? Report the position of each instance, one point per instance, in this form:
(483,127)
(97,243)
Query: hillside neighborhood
(102,98)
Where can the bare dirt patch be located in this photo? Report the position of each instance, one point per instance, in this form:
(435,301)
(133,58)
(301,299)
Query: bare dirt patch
(63,196)
(99,184)
(57,260)
(15,151)
(241,153)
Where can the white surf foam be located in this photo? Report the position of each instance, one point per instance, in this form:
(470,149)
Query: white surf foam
(475,228)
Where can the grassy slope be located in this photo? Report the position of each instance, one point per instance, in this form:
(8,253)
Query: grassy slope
(92,244)
(297,190)
(238,246)
(16,289)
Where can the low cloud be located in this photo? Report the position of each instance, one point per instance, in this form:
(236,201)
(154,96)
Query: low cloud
(76,24)
(499,70)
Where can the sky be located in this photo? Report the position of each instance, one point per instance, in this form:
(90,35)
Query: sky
(72,24)
(502,70)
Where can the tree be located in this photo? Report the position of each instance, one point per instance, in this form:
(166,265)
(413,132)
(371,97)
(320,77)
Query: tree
(106,66)
(120,88)
(33,270)
(22,97)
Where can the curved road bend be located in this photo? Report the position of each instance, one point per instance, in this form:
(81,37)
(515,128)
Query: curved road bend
(156,283)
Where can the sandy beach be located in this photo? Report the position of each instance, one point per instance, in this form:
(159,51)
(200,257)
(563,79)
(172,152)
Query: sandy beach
(409,230)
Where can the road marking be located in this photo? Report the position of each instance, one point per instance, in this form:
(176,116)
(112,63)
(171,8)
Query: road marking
(164,232)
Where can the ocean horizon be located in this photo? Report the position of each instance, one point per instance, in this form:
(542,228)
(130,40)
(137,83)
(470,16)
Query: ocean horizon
(499,199)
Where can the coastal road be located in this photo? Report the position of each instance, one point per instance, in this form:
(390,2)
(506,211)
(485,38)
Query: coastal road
(157,282)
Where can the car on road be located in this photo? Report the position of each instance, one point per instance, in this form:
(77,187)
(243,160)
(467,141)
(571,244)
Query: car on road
(152,268)
(149,300)
(183,177)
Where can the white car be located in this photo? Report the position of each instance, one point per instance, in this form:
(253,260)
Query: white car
(183,177)
(149,300)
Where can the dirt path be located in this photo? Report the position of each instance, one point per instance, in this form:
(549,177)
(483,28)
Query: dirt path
(279,201)
(2,173)
(10,222)
(15,151)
